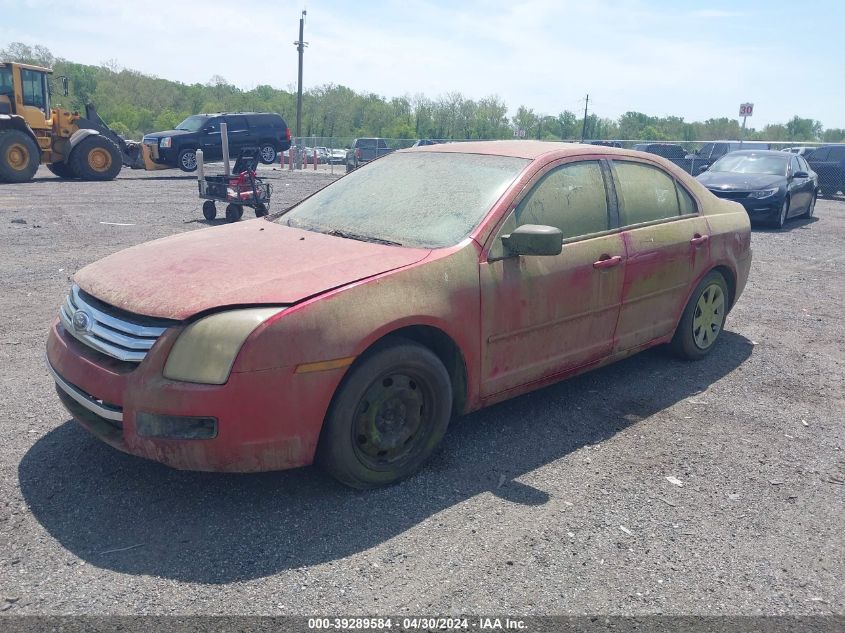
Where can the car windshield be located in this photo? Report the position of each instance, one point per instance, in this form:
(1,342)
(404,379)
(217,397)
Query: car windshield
(192,123)
(752,164)
(422,199)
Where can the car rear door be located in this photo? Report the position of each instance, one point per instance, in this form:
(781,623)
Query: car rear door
(542,316)
(238,134)
(209,140)
(666,246)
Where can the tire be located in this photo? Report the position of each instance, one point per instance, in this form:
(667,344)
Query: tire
(62,170)
(349,168)
(96,158)
(811,209)
(234,212)
(209,210)
(260,210)
(695,336)
(374,433)
(783,215)
(19,156)
(267,153)
(187,160)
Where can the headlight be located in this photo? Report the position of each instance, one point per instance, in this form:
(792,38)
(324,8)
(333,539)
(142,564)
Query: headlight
(764,193)
(165,142)
(205,351)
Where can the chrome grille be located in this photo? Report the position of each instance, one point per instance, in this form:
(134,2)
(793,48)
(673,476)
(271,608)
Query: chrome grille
(127,339)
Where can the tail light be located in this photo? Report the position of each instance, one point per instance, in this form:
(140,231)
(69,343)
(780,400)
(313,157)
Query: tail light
(287,134)
(358,153)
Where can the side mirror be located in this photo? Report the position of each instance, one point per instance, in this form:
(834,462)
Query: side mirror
(703,168)
(534,239)
(800,174)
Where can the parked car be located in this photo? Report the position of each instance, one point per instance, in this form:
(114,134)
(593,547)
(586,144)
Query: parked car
(178,147)
(829,162)
(606,143)
(363,150)
(711,152)
(322,154)
(772,186)
(424,141)
(803,150)
(670,151)
(383,306)
(337,157)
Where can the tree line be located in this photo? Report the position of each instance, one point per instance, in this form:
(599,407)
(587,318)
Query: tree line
(133,104)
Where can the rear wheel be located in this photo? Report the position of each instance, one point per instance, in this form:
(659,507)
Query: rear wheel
(96,158)
(703,318)
(387,417)
(19,156)
(62,170)
(260,210)
(267,153)
(209,210)
(234,212)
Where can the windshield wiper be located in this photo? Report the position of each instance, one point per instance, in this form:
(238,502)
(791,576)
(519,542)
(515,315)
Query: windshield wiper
(361,238)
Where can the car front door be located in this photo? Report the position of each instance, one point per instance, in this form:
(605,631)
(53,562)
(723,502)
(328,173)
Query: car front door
(209,141)
(543,316)
(799,188)
(667,250)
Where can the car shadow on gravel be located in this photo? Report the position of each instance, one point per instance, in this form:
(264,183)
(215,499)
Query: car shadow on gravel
(791,225)
(134,516)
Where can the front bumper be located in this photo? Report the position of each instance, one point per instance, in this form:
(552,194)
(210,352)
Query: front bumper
(266,420)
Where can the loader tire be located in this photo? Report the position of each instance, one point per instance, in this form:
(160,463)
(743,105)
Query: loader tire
(96,158)
(19,156)
(62,170)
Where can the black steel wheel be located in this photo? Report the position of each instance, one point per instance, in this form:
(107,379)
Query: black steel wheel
(387,417)
(234,212)
(209,210)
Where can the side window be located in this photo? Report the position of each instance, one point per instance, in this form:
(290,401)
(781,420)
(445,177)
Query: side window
(803,164)
(382,144)
(571,197)
(6,82)
(213,125)
(33,88)
(793,165)
(645,193)
(685,201)
(236,123)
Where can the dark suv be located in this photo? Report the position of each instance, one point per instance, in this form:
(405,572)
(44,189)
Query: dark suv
(828,162)
(178,148)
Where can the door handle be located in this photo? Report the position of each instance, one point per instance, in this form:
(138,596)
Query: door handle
(698,240)
(606,261)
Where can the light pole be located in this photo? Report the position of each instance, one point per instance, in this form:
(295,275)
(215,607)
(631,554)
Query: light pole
(300,46)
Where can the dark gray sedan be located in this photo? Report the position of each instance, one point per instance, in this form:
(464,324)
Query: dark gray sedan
(772,186)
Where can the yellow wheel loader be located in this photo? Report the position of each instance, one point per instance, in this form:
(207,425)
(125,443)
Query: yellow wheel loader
(33,133)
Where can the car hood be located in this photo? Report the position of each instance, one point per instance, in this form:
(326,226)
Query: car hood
(168,133)
(256,262)
(730,181)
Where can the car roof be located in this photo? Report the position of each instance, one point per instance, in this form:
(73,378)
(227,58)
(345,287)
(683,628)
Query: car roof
(520,149)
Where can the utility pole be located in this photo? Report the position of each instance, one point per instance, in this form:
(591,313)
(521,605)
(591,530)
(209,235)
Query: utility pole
(300,46)
(584,127)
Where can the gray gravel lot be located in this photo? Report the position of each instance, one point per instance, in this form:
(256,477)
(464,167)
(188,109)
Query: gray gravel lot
(557,502)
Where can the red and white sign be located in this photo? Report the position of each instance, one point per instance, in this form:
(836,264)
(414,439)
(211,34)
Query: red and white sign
(746,109)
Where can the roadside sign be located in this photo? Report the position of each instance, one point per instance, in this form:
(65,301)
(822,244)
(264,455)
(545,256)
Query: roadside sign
(746,109)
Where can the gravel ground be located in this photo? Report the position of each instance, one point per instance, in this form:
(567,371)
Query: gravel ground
(556,503)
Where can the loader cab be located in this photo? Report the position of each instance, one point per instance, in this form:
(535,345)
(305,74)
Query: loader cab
(25,91)
(7,90)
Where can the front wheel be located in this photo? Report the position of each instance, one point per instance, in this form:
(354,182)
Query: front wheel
(19,156)
(784,213)
(703,318)
(387,417)
(96,158)
(267,154)
(187,160)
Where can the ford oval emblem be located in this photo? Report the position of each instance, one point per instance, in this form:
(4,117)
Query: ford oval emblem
(81,321)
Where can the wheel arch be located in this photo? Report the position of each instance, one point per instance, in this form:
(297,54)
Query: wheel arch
(76,138)
(730,279)
(16,122)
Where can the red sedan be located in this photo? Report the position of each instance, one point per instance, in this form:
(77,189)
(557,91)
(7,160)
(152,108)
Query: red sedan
(430,283)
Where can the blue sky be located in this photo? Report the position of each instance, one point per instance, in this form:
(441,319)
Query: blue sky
(693,59)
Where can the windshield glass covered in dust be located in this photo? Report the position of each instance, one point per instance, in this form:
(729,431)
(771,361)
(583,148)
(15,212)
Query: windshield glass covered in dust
(423,199)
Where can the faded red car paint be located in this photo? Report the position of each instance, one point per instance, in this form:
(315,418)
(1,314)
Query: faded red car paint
(517,323)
